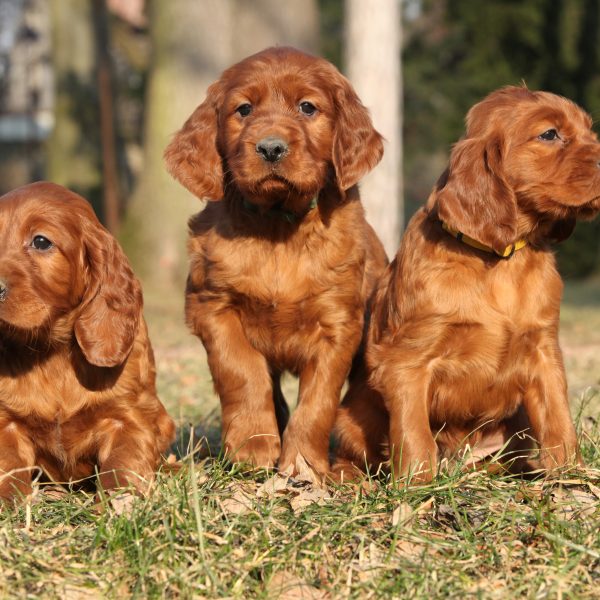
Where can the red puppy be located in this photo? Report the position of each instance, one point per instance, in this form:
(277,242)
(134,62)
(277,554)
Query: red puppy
(463,341)
(77,388)
(282,264)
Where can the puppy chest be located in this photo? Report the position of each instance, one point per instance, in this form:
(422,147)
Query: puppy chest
(46,394)
(269,271)
(288,297)
(261,278)
(475,400)
(482,374)
(283,291)
(297,328)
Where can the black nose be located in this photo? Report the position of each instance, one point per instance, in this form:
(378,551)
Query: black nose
(271,149)
(3,290)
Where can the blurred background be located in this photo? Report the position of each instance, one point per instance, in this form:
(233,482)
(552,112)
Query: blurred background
(91,92)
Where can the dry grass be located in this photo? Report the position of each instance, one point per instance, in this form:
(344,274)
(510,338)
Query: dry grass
(216,531)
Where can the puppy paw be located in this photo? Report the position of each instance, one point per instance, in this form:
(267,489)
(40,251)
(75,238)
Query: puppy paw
(304,466)
(260,450)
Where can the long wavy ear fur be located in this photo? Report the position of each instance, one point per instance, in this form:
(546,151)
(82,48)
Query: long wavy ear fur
(192,157)
(111,308)
(473,195)
(357,146)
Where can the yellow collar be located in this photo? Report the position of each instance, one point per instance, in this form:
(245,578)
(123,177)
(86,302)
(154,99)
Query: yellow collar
(465,239)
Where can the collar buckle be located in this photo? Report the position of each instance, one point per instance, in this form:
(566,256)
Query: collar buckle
(469,241)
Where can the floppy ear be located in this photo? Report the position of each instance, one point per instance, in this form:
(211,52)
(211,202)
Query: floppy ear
(357,147)
(107,325)
(474,196)
(192,156)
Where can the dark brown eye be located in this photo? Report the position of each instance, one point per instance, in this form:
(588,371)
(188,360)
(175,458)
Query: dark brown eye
(244,109)
(306,108)
(549,135)
(39,242)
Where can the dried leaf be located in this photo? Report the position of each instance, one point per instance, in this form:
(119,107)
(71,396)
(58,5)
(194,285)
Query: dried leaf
(425,507)
(445,512)
(367,486)
(286,586)
(273,486)
(409,549)
(594,489)
(402,514)
(301,471)
(308,496)
(122,503)
(41,493)
(370,561)
(238,504)
(73,592)
(574,504)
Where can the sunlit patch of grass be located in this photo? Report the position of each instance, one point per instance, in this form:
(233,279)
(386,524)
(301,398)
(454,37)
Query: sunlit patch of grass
(213,530)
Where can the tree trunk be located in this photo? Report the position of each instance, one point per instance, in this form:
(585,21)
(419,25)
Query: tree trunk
(373,65)
(191,45)
(106,97)
(73,148)
(262,23)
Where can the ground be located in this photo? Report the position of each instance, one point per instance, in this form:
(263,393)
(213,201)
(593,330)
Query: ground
(216,531)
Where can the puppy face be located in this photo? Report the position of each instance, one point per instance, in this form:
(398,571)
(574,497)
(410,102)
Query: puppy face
(63,275)
(279,124)
(529,159)
(276,129)
(41,273)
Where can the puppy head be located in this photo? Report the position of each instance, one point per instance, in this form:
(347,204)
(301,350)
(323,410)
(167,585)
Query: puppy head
(278,125)
(529,160)
(61,273)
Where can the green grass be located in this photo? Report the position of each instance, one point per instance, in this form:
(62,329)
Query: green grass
(216,531)
(580,341)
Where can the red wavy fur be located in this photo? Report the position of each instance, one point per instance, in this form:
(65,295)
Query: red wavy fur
(463,345)
(277,283)
(77,390)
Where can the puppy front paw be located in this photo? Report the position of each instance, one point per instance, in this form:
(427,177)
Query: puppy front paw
(258,449)
(303,465)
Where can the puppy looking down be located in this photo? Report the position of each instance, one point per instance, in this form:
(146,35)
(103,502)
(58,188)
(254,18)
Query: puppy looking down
(77,390)
(463,341)
(282,259)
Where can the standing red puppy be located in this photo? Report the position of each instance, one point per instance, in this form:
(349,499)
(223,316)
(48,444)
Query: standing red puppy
(463,341)
(283,262)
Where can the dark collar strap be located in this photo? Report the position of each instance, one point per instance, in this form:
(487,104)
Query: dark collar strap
(281,213)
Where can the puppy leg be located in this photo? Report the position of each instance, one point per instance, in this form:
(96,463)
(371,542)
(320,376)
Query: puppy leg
(307,434)
(127,454)
(547,407)
(17,459)
(361,429)
(164,425)
(241,376)
(413,451)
